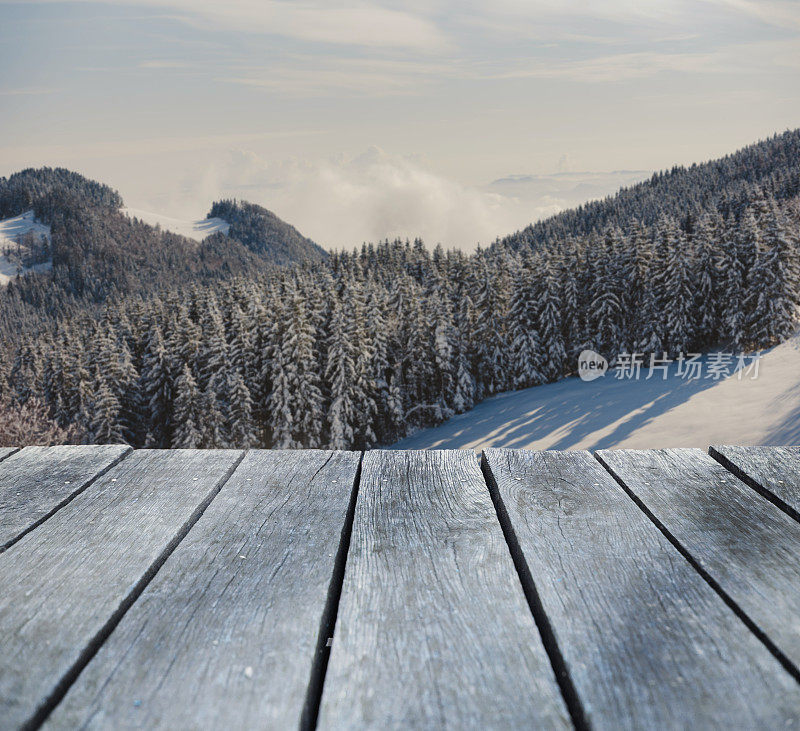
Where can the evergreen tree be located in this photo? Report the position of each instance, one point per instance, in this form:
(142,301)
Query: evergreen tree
(105,427)
(242,433)
(772,298)
(491,303)
(156,389)
(303,382)
(523,324)
(550,326)
(340,374)
(679,312)
(186,414)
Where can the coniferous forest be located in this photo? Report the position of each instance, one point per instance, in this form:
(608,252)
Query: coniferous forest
(361,348)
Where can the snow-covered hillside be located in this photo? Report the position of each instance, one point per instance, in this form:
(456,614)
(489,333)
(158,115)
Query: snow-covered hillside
(197,230)
(612,413)
(12,231)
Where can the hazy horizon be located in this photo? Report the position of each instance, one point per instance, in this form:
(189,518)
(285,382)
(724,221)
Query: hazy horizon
(365,120)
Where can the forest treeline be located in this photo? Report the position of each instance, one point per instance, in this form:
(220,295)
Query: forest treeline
(99,253)
(367,346)
(725,186)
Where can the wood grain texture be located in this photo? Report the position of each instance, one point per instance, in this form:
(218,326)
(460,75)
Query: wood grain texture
(7,452)
(433,629)
(225,636)
(37,481)
(774,472)
(746,546)
(646,641)
(66,584)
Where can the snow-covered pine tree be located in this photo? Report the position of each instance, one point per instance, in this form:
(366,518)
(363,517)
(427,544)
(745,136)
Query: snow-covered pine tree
(186,412)
(442,336)
(378,367)
(279,405)
(302,377)
(772,297)
(550,325)
(491,298)
(526,346)
(214,361)
(156,389)
(240,350)
(241,428)
(464,395)
(364,400)
(704,275)
(104,426)
(731,288)
(680,297)
(340,375)
(605,315)
(572,328)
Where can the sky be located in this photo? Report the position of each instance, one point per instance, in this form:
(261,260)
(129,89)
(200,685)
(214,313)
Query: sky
(454,120)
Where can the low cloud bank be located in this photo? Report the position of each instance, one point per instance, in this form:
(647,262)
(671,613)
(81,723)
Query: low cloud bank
(341,201)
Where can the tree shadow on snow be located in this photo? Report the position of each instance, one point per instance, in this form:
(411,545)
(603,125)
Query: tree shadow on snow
(565,413)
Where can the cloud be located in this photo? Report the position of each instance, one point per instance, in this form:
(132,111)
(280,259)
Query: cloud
(355,23)
(780,13)
(341,201)
(519,16)
(355,76)
(33,91)
(164,64)
(622,66)
(742,58)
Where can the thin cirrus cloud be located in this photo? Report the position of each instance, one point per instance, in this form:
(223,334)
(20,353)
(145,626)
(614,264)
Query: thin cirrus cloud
(357,76)
(630,13)
(32,91)
(780,13)
(158,63)
(358,23)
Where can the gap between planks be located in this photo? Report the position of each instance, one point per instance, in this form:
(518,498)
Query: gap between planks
(63,503)
(328,622)
(565,684)
(787,664)
(6,452)
(750,481)
(327,629)
(91,649)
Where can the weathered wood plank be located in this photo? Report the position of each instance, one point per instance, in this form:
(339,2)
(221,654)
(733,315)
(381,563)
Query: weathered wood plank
(772,471)
(746,546)
(434,630)
(646,641)
(226,634)
(7,452)
(66,584)
(37,481)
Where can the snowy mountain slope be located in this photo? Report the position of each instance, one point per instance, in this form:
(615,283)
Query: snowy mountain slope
(13,230)
(197,230)
(612,413)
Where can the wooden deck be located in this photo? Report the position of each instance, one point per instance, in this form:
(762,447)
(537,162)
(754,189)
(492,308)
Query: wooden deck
(193,589)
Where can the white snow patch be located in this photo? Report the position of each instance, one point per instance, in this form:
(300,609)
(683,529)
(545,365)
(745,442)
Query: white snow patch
(11,230)
(197,230)
(609,413)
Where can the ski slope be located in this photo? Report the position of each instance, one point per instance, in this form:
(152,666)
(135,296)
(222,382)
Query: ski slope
(11,229)
(612,413)
(197,230)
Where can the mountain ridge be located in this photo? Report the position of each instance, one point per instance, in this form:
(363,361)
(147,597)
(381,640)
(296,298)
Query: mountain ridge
(98,251)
